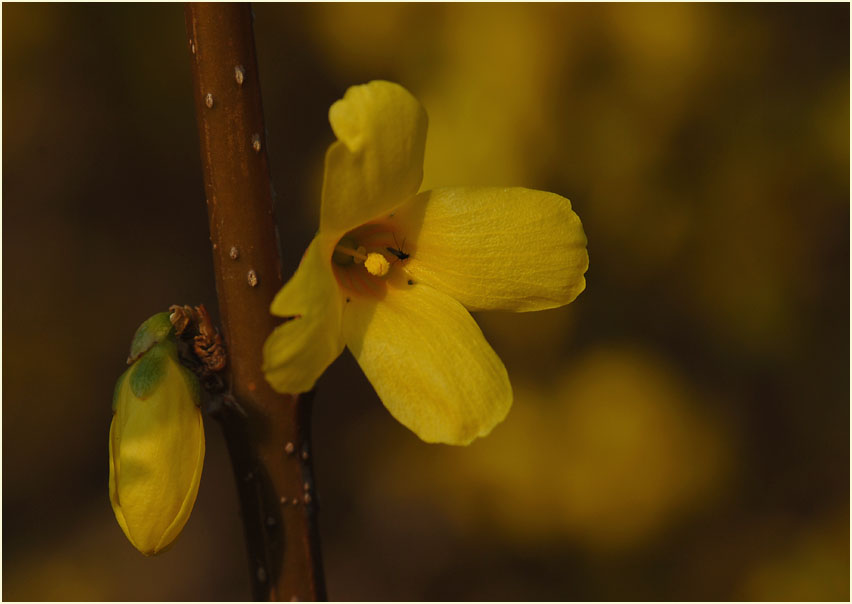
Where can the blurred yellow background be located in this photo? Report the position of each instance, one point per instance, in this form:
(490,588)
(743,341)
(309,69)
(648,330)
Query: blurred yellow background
(681,431)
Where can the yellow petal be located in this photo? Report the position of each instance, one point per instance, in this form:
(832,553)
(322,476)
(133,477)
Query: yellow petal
(156,457)
(429,363)
(298,351)
(377,162)
(494,248)
(114,469)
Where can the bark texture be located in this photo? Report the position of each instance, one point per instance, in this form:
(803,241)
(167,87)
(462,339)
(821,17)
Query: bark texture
(270,444)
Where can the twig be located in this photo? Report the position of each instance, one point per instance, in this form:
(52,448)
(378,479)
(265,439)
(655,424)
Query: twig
(270,446)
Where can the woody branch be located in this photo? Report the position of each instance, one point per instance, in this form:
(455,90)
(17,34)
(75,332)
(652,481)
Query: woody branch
(270,444)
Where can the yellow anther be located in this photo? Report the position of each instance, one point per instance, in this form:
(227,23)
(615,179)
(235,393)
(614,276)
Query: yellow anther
(376,264)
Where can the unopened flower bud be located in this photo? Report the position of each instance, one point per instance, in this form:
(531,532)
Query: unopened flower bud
(156,441)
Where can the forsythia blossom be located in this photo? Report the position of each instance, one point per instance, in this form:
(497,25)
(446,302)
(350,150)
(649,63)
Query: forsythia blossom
(156,440)
(392,274)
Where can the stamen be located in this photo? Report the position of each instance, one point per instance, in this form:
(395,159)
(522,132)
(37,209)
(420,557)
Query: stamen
(370,245)
(356,254)
(363,251)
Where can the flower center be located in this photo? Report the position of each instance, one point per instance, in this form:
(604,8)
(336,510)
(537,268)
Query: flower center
(365,256)
(375,262)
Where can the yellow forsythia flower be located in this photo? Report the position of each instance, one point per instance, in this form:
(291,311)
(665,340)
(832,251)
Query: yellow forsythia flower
(392,273)
(156,441)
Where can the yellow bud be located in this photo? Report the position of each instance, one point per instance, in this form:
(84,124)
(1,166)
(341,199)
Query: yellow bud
(377,264)
(156,449)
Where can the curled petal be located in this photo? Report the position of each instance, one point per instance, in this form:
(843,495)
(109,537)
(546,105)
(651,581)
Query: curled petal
(494,248)
(377,161)
(298,351)
(429,363)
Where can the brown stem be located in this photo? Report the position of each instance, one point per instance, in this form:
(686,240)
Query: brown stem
(270,446)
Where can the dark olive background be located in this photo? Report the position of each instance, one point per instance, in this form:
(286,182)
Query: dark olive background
(681,431)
